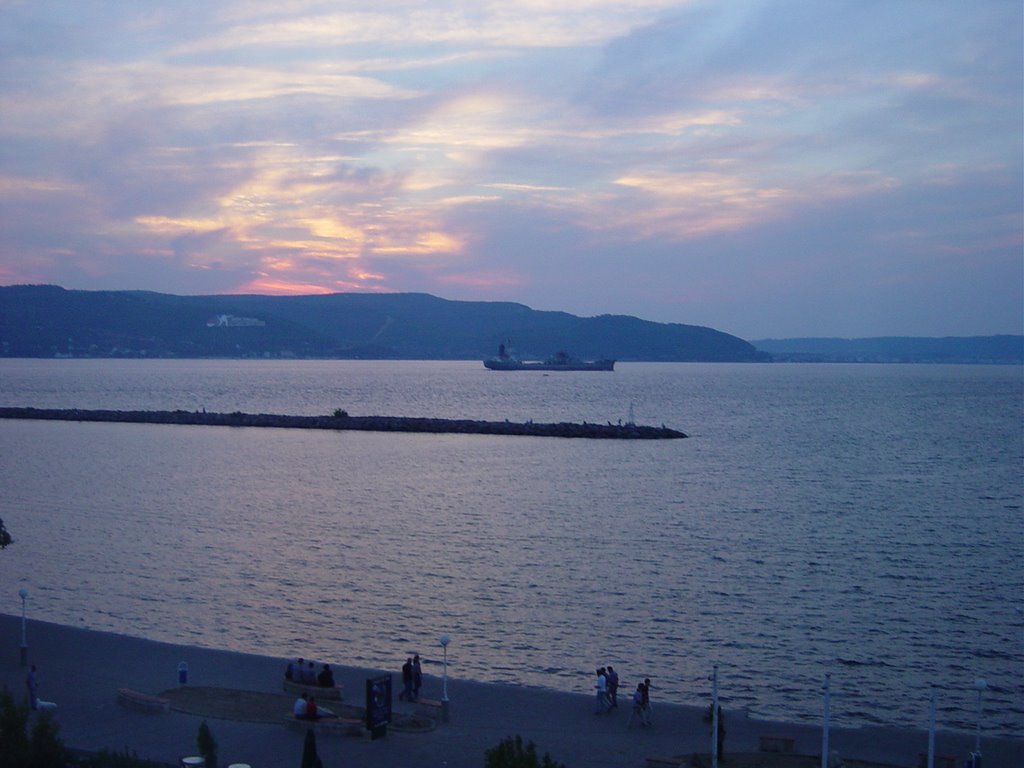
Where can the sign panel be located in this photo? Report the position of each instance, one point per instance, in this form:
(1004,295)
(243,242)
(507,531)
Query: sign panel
(378,704)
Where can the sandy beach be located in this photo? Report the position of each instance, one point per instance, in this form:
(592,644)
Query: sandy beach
(81,671)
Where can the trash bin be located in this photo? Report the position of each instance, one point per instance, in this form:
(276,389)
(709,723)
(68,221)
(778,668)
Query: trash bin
(183,673)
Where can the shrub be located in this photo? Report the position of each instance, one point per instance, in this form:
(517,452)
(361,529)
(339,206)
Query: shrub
(310,759)
(206,745)
(20,748)
(511,753)
(14,744)
(106,759)
(46,750)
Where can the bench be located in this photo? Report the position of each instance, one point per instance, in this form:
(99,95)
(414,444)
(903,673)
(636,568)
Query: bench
(941,761)
(776,743)
(144,701)
(343,726)
(331,694)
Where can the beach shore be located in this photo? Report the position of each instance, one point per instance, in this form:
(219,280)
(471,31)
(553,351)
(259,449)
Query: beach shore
(81,670)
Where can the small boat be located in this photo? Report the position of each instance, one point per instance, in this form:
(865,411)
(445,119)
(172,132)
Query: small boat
(560,361)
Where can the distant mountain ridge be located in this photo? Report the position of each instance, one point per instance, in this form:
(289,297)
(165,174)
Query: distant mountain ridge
(50,321)
(1005,349)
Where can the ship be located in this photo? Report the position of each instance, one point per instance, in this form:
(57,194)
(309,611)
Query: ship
(560,361)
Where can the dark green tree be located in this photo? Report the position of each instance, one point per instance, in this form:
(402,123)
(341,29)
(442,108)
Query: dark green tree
(107,759)
(310,759)
(5,537)
(207,745)
(46,750)
(20,748)
(14,744)
(511,753)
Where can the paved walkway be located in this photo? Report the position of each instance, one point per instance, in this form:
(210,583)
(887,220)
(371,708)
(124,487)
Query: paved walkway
(82,670)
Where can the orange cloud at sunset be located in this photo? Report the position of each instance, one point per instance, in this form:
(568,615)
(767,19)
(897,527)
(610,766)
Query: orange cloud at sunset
(583,156)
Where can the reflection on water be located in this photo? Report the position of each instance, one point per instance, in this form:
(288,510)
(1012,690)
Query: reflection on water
(858,520)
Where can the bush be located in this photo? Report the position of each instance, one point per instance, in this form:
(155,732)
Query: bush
(46,750)
(310,759)
(20,749)
(14,744)
(511,753)
(107,759)
(206,745)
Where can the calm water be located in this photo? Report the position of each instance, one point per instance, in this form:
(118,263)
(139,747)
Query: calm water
(863,521)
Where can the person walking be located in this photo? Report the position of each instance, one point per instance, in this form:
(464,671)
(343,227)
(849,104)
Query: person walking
(406,693)
(638,707)
(613,687)
(602,692)
(417,677)
(646,713)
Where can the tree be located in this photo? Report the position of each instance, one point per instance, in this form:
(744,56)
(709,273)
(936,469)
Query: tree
(18,749)
(14,744)
(45,747)
(207,745)
(107,759)
(511,753)
(5,537)
(310,759)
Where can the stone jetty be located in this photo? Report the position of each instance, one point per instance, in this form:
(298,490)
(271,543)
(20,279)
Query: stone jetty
(358,423)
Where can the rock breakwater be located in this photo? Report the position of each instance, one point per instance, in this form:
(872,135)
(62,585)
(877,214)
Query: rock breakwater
(357,423)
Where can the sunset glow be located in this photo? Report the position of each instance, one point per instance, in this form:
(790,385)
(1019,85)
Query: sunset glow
(682,149)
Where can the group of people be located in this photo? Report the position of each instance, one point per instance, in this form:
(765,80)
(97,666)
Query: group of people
(305,673)
(607,690)
(412,679)
(607,687)
(306,708)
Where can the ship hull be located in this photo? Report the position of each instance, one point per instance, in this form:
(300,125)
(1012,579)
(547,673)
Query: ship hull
(518,365)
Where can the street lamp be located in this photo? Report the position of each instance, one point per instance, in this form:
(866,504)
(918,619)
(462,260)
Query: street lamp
(980,685)
(444,640)
(714,717)
(827,695)
(23,594)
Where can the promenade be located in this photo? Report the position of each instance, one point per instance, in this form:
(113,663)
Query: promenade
(81,671)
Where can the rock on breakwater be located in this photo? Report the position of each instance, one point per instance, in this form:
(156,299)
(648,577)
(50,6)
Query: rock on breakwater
(358,423)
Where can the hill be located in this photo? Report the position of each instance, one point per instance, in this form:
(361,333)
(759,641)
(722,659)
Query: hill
(50,321)
(897,349)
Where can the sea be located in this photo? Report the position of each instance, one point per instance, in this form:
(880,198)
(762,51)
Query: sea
(860,524)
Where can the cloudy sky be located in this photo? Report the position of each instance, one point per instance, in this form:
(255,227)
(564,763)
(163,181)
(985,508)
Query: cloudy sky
(765,167)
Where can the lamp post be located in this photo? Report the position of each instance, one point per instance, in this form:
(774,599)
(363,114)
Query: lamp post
(980,685)
(23,594)
(931,730)
(444,640)
(825,724)
(714,717)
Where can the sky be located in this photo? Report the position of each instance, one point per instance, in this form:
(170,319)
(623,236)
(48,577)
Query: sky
(768,168)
